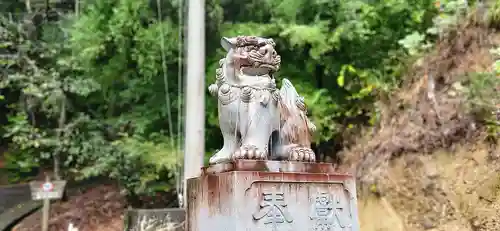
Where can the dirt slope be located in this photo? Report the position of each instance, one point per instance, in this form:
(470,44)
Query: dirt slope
(445,191)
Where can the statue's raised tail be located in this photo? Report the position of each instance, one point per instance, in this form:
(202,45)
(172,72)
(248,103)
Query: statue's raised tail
(296,129)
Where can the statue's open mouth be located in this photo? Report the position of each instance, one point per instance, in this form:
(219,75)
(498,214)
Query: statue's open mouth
(259,71)
(255,63)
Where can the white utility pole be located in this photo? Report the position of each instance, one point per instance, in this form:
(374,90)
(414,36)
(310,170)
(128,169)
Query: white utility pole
(194,147)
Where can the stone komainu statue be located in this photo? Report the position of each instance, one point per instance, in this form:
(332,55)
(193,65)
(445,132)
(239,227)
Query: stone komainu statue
(257,120)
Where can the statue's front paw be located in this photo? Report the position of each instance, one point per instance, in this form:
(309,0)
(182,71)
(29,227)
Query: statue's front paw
(216,159)
(301,154)
(220,156)
(249,152)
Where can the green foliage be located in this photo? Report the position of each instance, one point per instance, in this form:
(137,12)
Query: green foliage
(494,13)
(74,99)
(19,166)
(451,14)
(337,52)
(414,43)
(483,101)
(483,97)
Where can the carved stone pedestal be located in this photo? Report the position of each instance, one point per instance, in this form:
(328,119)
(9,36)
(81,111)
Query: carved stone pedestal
(251,195)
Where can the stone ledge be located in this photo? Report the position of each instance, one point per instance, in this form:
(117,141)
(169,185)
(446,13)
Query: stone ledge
(272,166)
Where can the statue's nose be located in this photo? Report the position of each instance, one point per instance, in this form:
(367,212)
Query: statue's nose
(266,50)
(263,50)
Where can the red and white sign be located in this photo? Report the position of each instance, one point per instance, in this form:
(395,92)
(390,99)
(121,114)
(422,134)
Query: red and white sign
(47,187)
(42,190)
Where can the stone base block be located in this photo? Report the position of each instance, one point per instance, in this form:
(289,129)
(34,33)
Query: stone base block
(250,195)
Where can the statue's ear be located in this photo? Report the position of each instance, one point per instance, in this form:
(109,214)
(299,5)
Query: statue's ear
(227,43)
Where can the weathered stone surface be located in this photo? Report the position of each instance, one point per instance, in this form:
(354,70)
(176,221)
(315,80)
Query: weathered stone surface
(248,195)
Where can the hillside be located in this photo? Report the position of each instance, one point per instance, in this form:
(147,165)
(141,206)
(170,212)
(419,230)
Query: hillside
(434,161)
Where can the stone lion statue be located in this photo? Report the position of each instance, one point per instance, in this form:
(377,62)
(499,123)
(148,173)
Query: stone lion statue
(258,120)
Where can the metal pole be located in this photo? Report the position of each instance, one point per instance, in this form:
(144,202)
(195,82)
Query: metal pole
(45,210)
(45,214)
(194,148)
